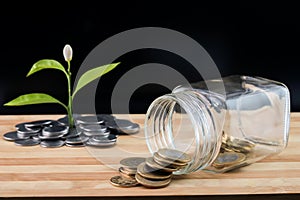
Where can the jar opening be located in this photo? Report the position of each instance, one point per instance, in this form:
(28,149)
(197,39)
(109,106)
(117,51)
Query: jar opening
(182,121)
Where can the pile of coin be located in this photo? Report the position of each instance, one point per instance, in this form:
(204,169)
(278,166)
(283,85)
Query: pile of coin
(47,133)
(151,172)
(127,172)
(230,143)
(91,130)
(233,153)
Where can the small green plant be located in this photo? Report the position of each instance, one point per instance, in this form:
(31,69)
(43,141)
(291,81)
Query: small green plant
(86,78)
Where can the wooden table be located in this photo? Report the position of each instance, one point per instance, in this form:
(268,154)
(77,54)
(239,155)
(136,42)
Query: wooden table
(83,172)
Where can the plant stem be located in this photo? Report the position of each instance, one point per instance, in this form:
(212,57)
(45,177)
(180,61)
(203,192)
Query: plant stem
(70,109)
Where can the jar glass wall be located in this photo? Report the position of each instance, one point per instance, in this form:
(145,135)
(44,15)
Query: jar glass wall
(221,131)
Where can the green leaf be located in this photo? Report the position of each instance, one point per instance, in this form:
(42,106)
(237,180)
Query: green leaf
(93,74)
(33,98)
(46,64)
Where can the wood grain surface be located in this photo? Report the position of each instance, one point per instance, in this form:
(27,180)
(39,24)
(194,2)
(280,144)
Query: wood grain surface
(68,172)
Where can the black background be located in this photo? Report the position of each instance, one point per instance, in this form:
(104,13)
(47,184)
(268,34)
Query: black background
(246,37)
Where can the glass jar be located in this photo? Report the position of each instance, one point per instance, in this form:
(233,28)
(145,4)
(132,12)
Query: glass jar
(221,128)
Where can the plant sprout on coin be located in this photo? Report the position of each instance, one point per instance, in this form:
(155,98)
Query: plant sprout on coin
(86,78)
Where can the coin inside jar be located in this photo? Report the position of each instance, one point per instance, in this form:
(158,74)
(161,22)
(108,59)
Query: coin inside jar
(228,158)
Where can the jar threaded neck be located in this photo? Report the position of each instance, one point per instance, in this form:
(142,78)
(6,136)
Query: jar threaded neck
(184,121)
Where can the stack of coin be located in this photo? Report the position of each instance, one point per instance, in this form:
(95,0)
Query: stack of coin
(152,172)
(92,130)
(76,140)
(97,133)
(47,133)
(233,153)
(52,136)
(157,171)
(130,165)
(127,172)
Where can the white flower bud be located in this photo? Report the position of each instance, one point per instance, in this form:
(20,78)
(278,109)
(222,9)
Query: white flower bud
(68,52)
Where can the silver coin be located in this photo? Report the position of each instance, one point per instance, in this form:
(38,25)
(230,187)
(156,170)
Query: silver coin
(55,130)
(133,129)
(63,121)
(102,134)
(73,132)
(11,136)
(92,128)
(38,123)
(21,126)
(25,135)
(91,119)
(97,144)
(52,143)
(75,145)
(23,129)
(50,136)
(27,142)
(101,139)
(77,140)
(35,137)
